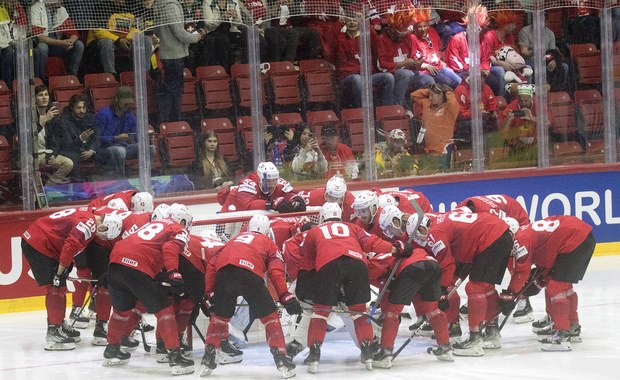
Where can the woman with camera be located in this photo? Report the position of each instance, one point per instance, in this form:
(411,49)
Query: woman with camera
(308,159)
(59,165)
(213,169)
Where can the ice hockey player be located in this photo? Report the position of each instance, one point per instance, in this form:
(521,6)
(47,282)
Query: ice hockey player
(134,263)
(335,191)
(403,200)
(480,244)
(128,199)
(336,250)
(239,269)
(417,279)
(561,248)
(264,190)
(49,245)
(365,207)
(502,205)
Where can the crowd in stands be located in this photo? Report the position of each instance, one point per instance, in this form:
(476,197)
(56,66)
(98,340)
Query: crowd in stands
(419,61)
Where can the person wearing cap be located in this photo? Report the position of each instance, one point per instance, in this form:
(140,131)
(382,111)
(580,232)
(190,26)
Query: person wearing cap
(439,112)
(518,125)
(392,156)
(61,40)
(118,124)
(339,156)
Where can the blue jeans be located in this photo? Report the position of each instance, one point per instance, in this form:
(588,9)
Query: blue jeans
(448,77)
(120,153)
(107,49)
(407,81)
(383,81)
(8,58)
(73,56)
(496,80)
(170,90)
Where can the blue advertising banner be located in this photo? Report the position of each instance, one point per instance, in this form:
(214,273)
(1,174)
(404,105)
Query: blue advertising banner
(592,197)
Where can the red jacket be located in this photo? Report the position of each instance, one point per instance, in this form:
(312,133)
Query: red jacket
(291,253)
(490,44)
(348,52)
(462,93)
(124,196)
(62,235)
(249,196)
(404,200)
(254,252)
(457,53)
(389,52)
(541,243)
(155,246)
(331,240)
(422,49)
(381,264)
(500,205)
(316,197)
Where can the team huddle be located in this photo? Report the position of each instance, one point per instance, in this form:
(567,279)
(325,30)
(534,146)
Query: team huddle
(142,259)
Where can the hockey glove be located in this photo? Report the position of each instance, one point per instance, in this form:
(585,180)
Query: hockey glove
(402,250)
(507,302)
(60,280)
(298,204)
(207,304)
(291,304)
(280,205)
(444,302)
(177,285)
(536,284)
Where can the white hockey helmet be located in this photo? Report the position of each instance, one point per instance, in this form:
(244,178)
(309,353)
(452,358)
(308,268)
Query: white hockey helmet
(259,223)
(365,206)
(330,210)
(268,176)
(512,223)
(117,204)
(160,212)
(335,189)
(417,228)
(180,214)
(384,200)
(209,234)
(390,221)
(142,201)
(110,227)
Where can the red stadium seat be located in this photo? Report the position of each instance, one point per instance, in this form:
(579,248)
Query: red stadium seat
(179,142)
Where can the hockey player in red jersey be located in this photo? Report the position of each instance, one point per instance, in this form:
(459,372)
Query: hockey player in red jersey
(239,270)
(336,250)
(480,244)
(128,199)
(403,200)
(365,207)
(49,245)
(561,248)
(417,278)
(134,263)
(335,191)
(264,190)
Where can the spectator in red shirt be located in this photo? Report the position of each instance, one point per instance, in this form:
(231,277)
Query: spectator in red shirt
(457,50)
(487,106)
(499,34)
(339,157)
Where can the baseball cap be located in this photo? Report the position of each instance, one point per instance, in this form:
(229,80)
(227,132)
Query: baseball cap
(329,130)
(124,94)
(397,134)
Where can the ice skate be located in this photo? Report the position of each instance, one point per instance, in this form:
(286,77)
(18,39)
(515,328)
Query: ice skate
(179,364)
(559,341)
(284,363)
(312,361)
(100,335)
(442,353)
(129,343)
(548,330)
(542,323)
(81,321)
(71,332)
(366,354)
(229,354)
(209,361)
(114,356)
(470,347)
(57,340)
(161,352)
(455,332)
(523,312)
(492,338)
(294,348)
(383,358)
(574,334)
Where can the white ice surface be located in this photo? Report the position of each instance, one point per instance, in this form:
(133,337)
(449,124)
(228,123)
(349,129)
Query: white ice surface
(598,357)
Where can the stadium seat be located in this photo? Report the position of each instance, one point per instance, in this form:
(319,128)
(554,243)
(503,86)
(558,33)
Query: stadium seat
(392,117)
(583,50)
(244,128)
(588,69)
(283,82)
(100,80)
(6,110)
(569,152)
(101,97)
(318,83)
(179,142)
(562,111)
(242,89)
(590,106)
(227,139)
(316,119)
(216,94)
(595,150)
(353,121)
(292,119)
(6,172)
(62,88)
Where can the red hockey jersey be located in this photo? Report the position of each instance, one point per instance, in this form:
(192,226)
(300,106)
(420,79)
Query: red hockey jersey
(390,52)
(291,253)
(500,205)
(404,200)
(316,197)
(123,196)
(200,251)
(248,195)
(429,52)
(381,264)
(463,97)
(131,222)
(490,44)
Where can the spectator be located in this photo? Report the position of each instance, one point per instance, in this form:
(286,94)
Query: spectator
(338,155)
(395,57)
(222,38)
(487,106)
(13,26)
(439,112)
(212,166)
(457,49)
(77,136)
(499,34)
(62,39)
(272,43)
(116,37)
(173,48)
(81,12)
(348,64)
(426,45)
(60,165)
(281,11)
(392,157)
(518,125)
(557,71)
(309,159)
(280,144)
(117,123)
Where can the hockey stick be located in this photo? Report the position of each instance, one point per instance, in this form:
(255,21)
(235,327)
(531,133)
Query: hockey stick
(146,346)
(202,337)
(350,312)
(535,277)
(451,292)
(81,310)
(81,279)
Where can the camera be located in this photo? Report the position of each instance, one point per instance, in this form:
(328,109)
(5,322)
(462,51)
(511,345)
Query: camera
(277,132)
(518,113)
